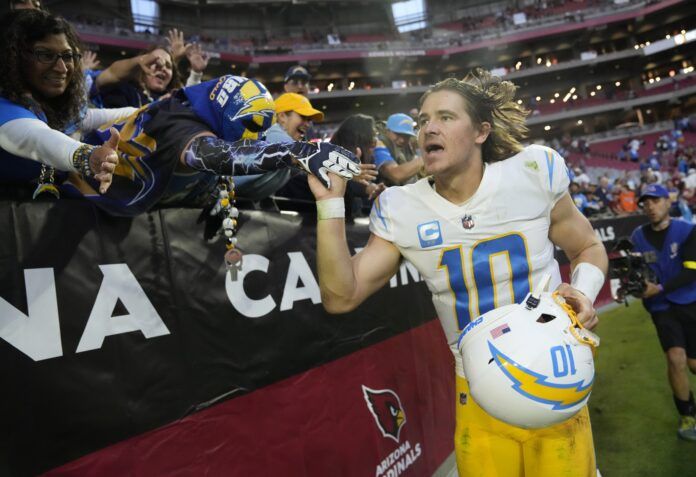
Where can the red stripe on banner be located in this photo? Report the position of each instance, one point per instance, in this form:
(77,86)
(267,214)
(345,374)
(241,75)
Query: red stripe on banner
(317,423)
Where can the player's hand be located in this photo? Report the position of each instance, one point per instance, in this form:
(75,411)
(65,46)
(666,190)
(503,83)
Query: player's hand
(587,315)
(103,161)
(651,289)
(338,187)
(322,158)
(89,61)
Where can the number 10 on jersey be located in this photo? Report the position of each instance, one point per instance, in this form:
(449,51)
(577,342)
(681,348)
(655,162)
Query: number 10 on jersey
(482,280)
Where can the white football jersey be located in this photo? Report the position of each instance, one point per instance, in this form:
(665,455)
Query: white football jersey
(489,251)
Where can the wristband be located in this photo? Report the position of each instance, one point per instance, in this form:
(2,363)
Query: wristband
(587,279)
(331,209)
(80,159)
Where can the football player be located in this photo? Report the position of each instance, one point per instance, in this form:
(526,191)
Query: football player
(481,231)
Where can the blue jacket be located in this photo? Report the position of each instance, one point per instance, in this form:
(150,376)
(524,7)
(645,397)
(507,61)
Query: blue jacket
(668,265)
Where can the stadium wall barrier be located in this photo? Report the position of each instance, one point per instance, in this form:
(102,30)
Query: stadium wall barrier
(128,350)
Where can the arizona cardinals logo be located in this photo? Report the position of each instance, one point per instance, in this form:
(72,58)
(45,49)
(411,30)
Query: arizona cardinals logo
(386,408)
(538,387)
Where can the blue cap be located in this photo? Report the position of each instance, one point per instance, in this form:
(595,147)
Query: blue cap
(653,190)
(401,124)
(297,71)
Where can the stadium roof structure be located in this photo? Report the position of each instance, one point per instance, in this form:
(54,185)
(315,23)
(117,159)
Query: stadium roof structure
(632,51)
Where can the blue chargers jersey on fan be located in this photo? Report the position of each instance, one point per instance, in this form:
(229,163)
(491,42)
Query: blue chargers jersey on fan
(153,139)
(14,169)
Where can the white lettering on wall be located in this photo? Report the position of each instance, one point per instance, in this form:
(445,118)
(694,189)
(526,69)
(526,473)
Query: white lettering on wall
(120,283)
(238,297)
(36,334)
(299,270)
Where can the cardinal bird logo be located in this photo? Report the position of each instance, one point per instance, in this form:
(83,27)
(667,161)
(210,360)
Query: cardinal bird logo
(385,406)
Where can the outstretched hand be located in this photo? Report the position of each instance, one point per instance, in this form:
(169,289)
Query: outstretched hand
(587,315)
(368,174)
(197,57)
(177,45)
(104,159)
(89,61)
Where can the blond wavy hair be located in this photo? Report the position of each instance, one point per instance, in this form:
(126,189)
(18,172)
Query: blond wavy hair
(488,98)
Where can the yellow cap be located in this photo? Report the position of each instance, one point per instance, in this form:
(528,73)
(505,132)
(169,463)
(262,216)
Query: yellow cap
(298,103)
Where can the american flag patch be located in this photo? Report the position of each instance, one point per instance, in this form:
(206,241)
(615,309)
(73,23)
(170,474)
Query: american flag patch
(500,331)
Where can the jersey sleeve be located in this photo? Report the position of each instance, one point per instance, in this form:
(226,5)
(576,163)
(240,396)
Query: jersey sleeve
(32,139)
(382,156)
(557,178)
(380,221)
(10,111)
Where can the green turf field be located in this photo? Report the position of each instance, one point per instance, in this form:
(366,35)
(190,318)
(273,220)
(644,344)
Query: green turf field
(633,416)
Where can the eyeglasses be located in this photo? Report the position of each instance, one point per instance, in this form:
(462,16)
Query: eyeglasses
(49,57)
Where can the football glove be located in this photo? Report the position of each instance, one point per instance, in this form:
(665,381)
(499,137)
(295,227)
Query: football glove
(322,158)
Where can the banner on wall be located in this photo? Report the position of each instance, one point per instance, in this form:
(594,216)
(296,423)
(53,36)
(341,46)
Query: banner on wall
(127,350)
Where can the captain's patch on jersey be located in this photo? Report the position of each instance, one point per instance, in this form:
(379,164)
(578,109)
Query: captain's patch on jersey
(429,234)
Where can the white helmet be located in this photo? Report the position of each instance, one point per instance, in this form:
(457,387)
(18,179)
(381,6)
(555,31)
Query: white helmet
(530,365)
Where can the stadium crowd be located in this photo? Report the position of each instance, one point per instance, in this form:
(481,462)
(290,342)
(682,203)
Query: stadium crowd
(462,28)
(387,148)
(667,158)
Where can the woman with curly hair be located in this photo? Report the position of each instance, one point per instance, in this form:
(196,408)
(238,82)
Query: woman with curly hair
(42,101)
(481,231)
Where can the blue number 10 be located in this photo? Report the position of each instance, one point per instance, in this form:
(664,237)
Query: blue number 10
(480,262)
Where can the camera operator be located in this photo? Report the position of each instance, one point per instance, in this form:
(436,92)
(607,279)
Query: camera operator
(669,247)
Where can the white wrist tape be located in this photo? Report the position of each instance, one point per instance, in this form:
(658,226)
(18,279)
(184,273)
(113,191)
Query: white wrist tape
(588,279)
(331,209)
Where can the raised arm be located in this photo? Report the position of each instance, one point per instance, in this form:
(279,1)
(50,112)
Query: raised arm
(388,167)
(122,70)
(206,152)
(346,281)
(571,231)
(400,173)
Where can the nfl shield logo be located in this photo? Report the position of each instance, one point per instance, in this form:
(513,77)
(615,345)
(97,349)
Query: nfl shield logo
(468,222)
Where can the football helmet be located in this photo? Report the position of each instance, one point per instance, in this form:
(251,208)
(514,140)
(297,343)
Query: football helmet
(250,109)
(530,364)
